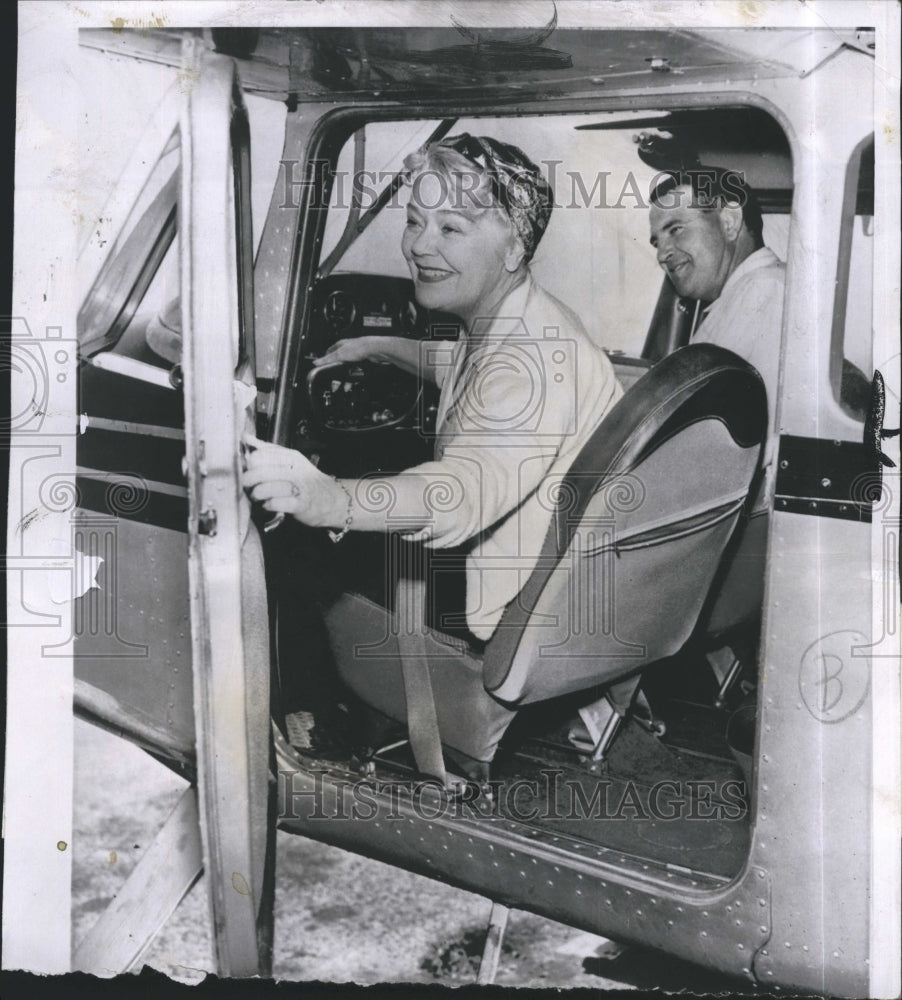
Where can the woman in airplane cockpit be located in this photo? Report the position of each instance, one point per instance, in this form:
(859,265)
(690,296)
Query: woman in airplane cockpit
(521,390)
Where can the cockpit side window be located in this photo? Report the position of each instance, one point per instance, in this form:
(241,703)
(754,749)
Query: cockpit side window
(594,255)
(851,360)
(141,271)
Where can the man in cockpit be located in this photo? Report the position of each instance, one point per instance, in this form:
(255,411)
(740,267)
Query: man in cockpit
(706,227)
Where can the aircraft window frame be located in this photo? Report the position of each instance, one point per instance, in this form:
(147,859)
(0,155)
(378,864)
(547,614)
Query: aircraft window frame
(623,339)
(107,311)
(623,336)
(843,374)
(240,144)
(334,129)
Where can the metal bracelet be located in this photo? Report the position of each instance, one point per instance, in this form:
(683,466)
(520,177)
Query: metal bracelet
(336,536)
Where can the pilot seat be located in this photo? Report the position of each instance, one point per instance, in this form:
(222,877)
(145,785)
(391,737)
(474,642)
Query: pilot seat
(644,520)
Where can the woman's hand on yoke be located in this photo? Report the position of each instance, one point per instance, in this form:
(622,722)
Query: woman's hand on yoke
(285,481)
(369,348)
(394,350)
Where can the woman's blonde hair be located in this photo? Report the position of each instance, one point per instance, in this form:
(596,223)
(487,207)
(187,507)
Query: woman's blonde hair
(481,173)
(468,186)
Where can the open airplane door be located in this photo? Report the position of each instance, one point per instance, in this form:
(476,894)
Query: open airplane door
(169,400)
(229,619)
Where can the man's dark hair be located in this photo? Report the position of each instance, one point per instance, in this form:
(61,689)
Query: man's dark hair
(712,187)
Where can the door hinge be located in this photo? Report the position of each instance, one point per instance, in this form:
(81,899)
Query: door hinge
(826,478)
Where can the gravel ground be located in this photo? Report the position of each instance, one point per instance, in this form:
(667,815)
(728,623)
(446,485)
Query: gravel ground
(339,917)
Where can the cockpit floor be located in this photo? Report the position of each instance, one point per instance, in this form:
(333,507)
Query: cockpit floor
(650,800)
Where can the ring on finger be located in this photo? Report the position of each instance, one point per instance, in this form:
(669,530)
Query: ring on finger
(295,490)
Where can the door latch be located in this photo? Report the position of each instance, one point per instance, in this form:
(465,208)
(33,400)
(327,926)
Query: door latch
(206,522)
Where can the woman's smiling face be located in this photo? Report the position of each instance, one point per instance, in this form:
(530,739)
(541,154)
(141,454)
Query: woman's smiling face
(461,261)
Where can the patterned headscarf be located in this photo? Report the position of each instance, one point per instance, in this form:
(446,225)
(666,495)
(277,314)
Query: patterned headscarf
(517,184)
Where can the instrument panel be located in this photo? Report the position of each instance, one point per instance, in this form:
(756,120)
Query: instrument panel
(367,396)
(357,305)
(362,396)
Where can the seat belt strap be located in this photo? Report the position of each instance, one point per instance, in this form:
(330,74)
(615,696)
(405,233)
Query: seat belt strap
(422,721)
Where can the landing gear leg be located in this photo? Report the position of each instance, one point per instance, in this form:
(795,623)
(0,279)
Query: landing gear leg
(491,953)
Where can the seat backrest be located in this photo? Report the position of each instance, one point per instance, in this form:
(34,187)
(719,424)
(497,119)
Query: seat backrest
(671,323)
(641,522)
(739,591)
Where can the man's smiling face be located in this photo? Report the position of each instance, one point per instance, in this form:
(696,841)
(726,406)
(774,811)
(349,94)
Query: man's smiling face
(693,244)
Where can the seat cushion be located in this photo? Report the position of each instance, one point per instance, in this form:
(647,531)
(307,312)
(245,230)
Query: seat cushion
(368,658)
